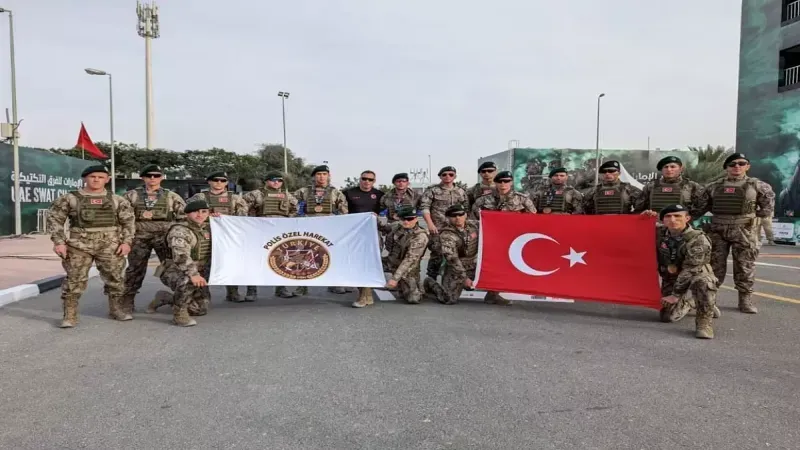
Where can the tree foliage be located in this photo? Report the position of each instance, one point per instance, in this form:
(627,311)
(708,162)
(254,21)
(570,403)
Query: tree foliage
(709,163)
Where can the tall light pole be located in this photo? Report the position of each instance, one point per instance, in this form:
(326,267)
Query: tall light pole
(148,29)
(14,124)
(284,96)
(597,143)
(111,122)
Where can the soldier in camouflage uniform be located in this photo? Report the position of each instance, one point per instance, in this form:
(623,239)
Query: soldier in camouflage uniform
(434,202)
(156,209)
(321,199)
(101,232)
(399,196)
(272,201)
(187,266)
(459,240)
(612,196)
(221,201)
(504,198)
(736,202)
(684,262)
(486,186)
(557,197)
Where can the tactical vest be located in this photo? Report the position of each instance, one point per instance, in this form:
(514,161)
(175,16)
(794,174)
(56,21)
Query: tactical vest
(664,194)
(94,213)
(322,206)
(399,245)
(468,247)
(553,201)
(734,198)
(222,203)
(609,200)
(668,256)
(161,211)
(201,252)
(274,203)
(480,189)
(394,205)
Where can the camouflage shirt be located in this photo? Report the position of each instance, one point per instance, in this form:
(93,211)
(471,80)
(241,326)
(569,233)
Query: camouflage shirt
(765,197)
(255,202)
(66,207)
(173,199)
(436,199)
(460,246)
(690,194)
(630,195)
(478,191)
(181,240)
(238,205)
(689,253)
(391,201)
(338,200)
(513,201)
(543,195)
(406,248)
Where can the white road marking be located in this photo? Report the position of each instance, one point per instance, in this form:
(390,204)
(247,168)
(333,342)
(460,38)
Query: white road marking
(387,296)
(384,296)
(772,265)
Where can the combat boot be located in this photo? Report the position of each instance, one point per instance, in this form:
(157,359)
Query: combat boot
(746,304)
(162,298)
(414,297)
(282,292)
(301,290)
(252,294)
(232,294)
(364,298)
(337,290)
(70,313)
(433,289)
(181,317)
(115,311)
(494,298)
(717,313)
(126,304)
(703,328)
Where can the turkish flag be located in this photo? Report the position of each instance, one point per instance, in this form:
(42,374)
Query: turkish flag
(85,143)
(607,258)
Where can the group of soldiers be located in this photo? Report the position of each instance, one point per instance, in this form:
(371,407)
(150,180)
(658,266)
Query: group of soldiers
(105,228)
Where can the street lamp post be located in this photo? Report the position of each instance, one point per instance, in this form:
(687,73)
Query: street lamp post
(148,28)
(597,143)
(111,121)
(14,124)
(284,96)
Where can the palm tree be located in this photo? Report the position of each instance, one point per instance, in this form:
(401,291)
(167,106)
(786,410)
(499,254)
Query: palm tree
(709,164)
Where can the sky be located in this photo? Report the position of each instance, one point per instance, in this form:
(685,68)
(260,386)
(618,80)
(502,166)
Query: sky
(381,85)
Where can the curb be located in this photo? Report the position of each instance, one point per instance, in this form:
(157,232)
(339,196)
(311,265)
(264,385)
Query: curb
(23,291)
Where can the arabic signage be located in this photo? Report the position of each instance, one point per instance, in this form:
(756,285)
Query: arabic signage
(44,176)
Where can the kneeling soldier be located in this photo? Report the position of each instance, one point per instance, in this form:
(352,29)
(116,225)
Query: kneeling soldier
(684,255)
(460,251)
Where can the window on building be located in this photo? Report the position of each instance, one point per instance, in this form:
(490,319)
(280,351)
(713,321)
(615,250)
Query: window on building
(790,10)
(789,66)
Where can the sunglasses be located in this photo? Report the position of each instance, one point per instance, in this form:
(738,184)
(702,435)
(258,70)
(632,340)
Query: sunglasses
(609,171)
(487,171)
(277,180)
(448,174)
(458,214)
(367,179)
(219,180)
(503,181)
(738,163)
(409,219)
(152,175)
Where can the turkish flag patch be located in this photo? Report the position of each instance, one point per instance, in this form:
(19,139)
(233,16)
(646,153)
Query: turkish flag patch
(559,192)
(152,198)
(206,235)
(223,199)
(666,189)
(608,192)
(729,190)
(96,201)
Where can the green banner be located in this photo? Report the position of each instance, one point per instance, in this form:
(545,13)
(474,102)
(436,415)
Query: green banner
(44,176)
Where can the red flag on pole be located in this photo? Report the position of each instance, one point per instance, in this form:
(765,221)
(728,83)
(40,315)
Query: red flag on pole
(609,258)
(85,143)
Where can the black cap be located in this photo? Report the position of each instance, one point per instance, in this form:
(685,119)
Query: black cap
(447,169)
(669,160)
(455,210)
(150,168)
(503,175)
(557,170)
(609,165)
(217,174)
(671,209)
(94,169)
(487,165)
(271,176)
(405,212)
(322,168)
(734,157)
(195,205)
(400,176)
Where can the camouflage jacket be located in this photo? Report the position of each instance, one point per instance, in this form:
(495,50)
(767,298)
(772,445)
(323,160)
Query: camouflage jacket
(573,198)
(66,207)
(181,240)
(513,201)
(436,199)
(406,248)
(238,205)
(460,246)
(389,202)
(686,257)
(478,191)
(338,201)
(690,195)
(255,202)
(630,195)
(173,199)
(765,197)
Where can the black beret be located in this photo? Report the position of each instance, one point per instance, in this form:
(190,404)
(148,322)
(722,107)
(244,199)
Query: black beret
(671,209)
(274,176)
(455,210)
(406,211)
(93,169)
(668,160)
(734,157)
(487,165)
(195,205)
(557,170)
(400,176)
(217,174)
(609,165)
(318,169)
(150,168)
(503,175)
(447,169)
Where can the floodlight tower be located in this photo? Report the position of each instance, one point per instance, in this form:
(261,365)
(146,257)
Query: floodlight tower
(148,29)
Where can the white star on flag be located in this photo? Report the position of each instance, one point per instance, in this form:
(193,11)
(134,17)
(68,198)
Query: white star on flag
(575,257)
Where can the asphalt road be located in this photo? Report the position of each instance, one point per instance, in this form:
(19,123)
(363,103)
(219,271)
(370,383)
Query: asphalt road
(314,373)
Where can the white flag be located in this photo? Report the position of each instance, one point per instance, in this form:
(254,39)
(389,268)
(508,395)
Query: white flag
(307,251)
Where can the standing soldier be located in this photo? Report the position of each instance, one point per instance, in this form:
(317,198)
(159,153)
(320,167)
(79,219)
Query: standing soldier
(670,189)
(400,195)
(321,199)
(485,186)
(187,266)
(459,241)
(361,199)
(156,209)
(611,196)
(557,197)
(222,202)
(735,203)
(434,202)
(684,260)
(101,232)
(271,201)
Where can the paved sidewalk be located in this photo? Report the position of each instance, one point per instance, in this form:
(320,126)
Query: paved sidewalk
(26,259)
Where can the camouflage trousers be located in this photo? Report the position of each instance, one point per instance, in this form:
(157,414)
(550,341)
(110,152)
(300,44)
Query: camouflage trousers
(408,287)
(197,299)
(144,242)
(99,248)
(676,311)
(449,291)
(740,241)
(435,260)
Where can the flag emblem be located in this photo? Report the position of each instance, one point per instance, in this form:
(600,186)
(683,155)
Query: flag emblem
(729,190)
(96,201)
(299,258)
